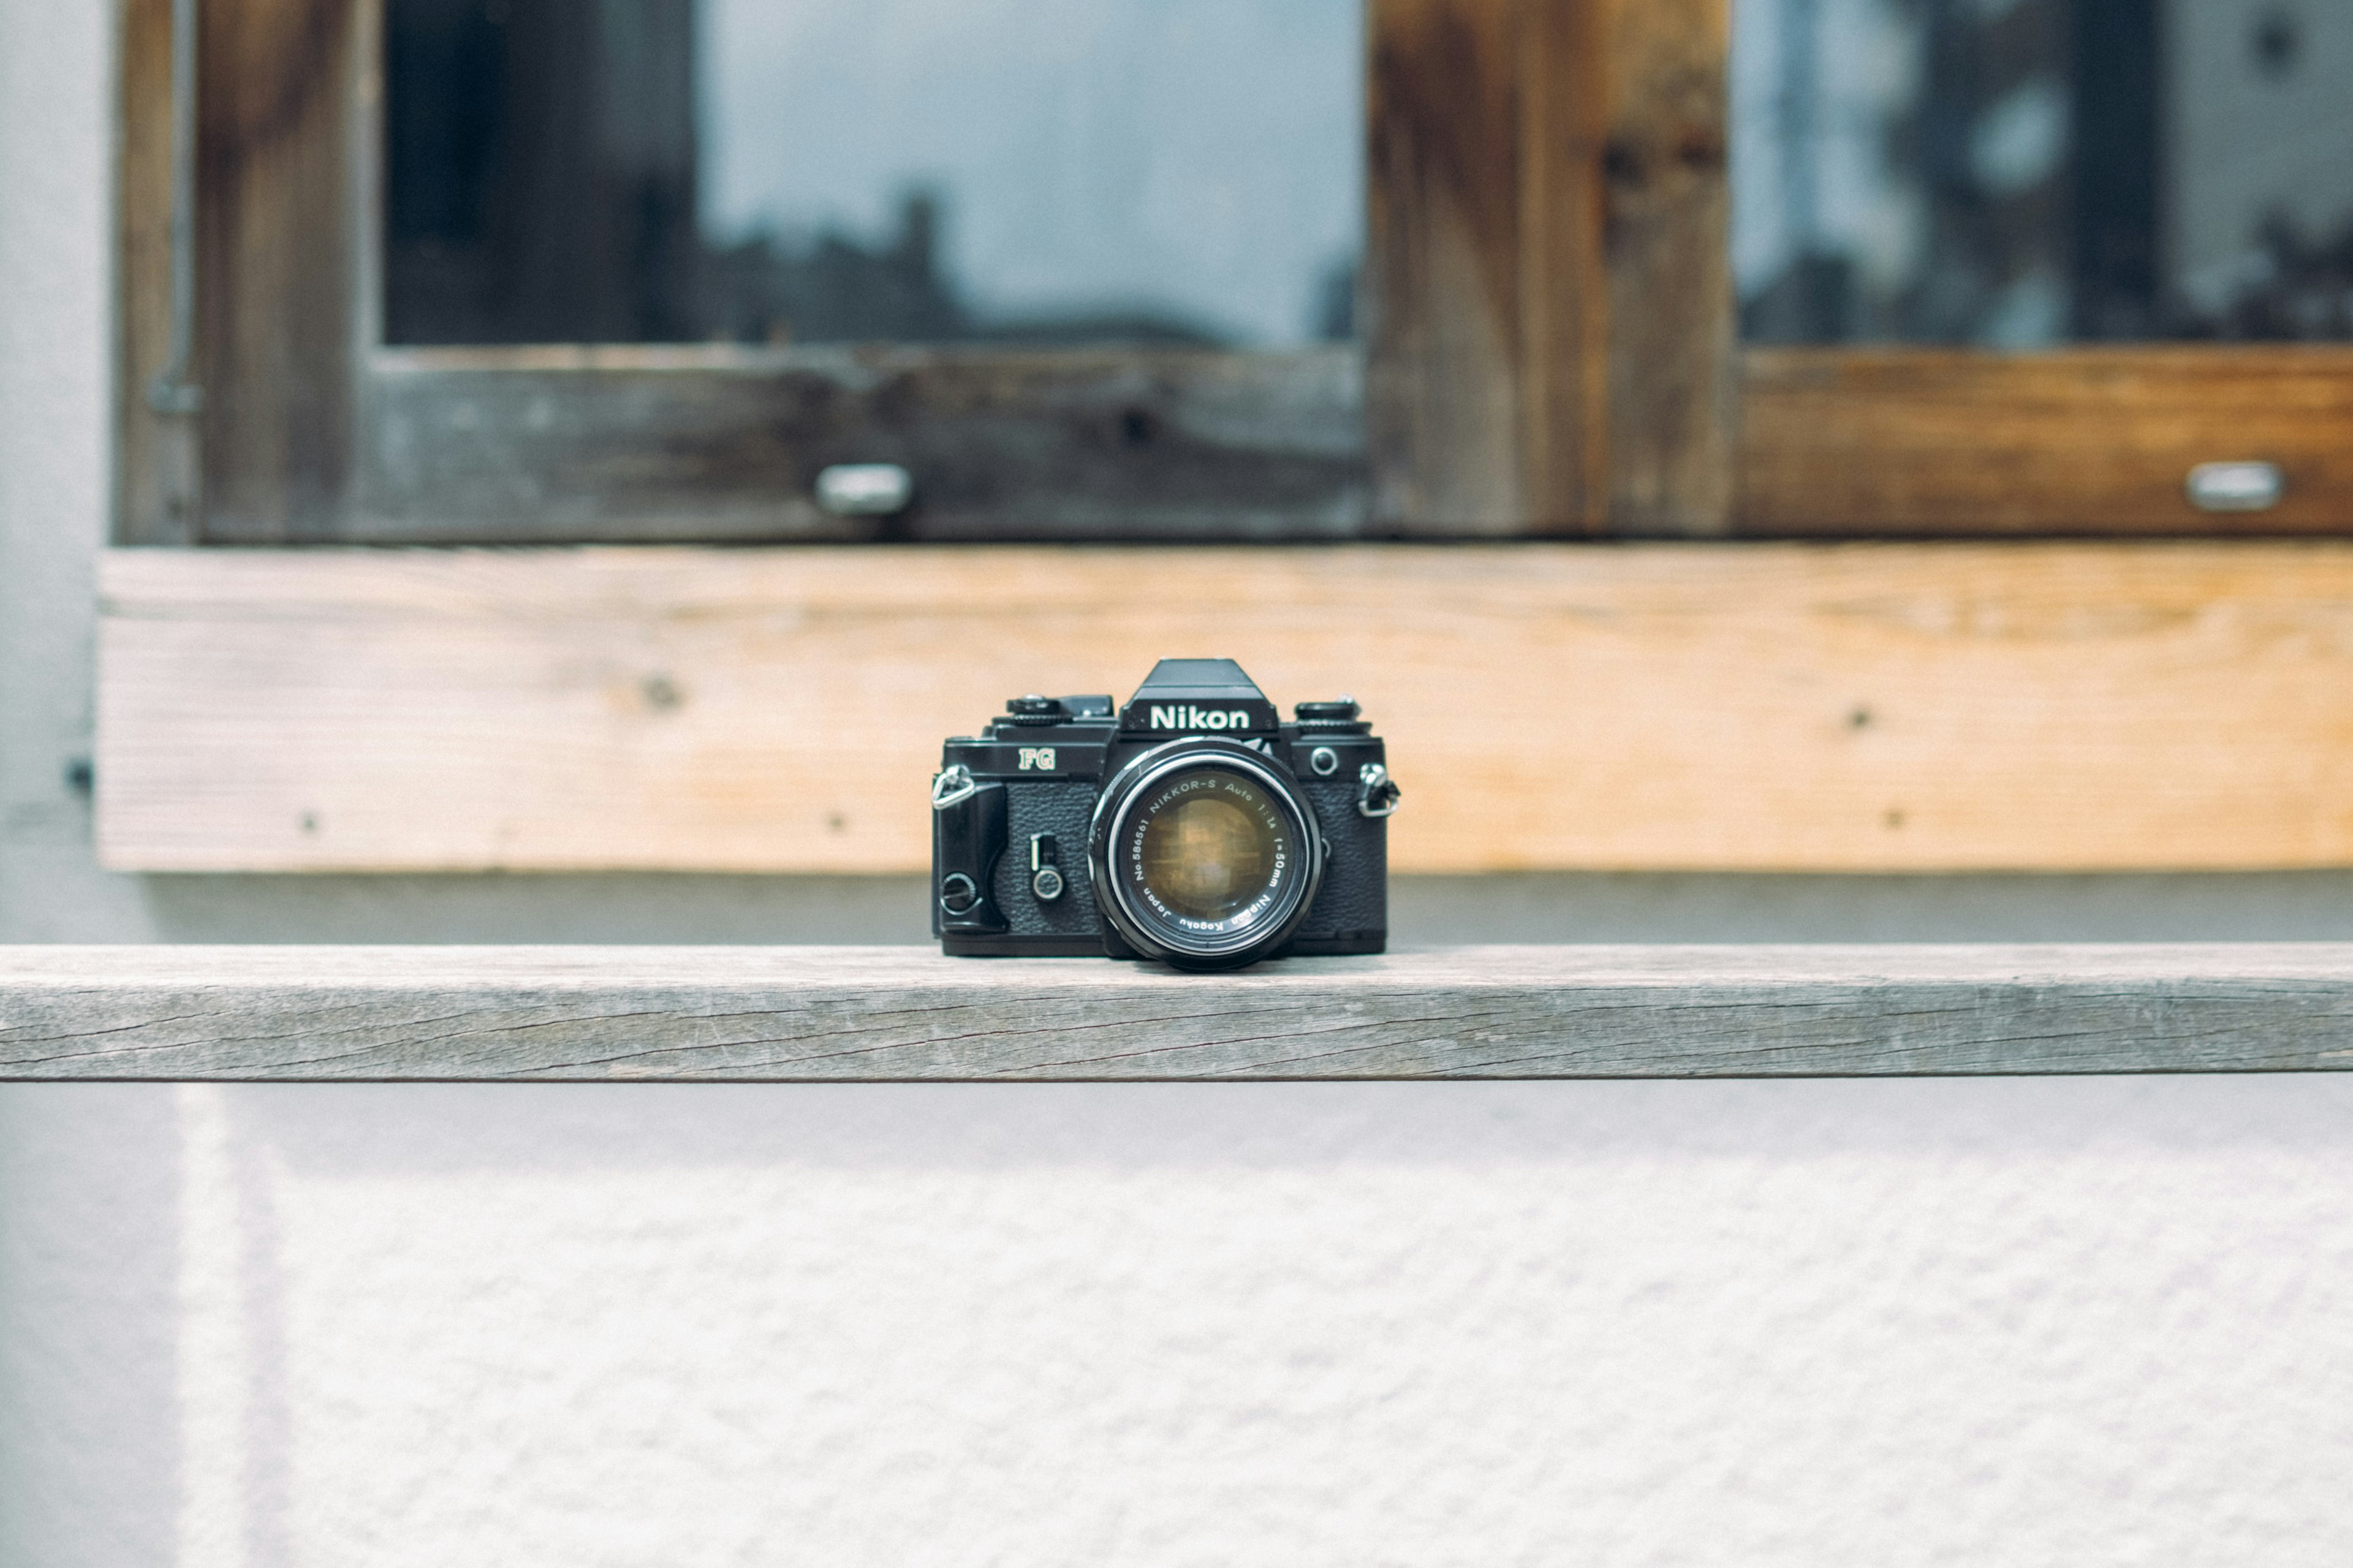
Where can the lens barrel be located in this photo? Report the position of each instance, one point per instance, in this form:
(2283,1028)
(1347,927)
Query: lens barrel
(1204,855)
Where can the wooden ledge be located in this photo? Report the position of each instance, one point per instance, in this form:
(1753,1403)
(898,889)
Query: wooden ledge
(872,1013)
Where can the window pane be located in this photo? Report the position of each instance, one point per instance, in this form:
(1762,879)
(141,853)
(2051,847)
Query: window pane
(1020,170)
(2024,173)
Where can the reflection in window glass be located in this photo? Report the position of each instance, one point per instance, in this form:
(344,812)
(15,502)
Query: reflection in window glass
(816,171)
(2023,172)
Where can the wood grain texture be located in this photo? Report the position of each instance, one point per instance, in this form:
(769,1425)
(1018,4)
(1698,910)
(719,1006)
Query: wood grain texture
(863,1015)
(277,238)
(1486,374)
(1836,441)
(1674,386)
(1743,707)
(157,488)
(535,445)
(1552,324)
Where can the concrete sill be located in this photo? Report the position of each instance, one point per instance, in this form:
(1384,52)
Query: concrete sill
(878,1013)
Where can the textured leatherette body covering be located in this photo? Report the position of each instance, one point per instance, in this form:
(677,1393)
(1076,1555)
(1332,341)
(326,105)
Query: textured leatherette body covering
(1064,810)
(1352,909)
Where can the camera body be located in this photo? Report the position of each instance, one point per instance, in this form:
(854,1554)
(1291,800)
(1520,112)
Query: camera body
(1193,826)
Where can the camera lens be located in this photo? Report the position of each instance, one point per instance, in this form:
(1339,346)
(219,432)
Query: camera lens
(1214,849)
(1206,856)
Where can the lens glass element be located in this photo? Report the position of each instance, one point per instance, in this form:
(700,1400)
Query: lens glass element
(1209,854)
(1209,857)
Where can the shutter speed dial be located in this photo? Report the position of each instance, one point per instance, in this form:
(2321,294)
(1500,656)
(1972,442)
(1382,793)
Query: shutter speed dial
(1036,710)
(1334,717)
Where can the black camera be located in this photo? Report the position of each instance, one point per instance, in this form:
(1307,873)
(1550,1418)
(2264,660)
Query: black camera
(1194,827)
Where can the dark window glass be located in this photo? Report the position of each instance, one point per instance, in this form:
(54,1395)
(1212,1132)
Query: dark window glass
(2025,172)
(778,171)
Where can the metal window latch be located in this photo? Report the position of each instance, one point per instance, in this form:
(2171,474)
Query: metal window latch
(864,490)
(2235,487)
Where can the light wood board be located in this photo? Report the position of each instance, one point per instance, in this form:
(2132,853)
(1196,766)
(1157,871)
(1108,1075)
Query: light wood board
(822,1015)
(1693,707)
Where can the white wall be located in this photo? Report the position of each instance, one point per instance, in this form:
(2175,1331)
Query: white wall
(2065,1321)
(2074,1322)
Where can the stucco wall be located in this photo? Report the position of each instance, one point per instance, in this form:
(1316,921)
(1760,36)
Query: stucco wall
(2078,1322)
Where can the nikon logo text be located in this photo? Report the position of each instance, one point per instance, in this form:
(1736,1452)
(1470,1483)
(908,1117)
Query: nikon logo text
(1182,716)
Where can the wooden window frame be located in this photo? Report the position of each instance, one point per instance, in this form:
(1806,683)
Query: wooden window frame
(314,433)
(1551,351)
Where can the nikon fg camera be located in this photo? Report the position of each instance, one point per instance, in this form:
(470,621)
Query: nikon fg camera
(1195,827)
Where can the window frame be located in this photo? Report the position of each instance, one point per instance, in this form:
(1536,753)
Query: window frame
(1550,351)
(1479,393)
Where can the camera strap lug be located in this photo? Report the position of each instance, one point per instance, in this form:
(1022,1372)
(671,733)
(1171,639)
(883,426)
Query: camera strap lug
(967,837)
(952,787)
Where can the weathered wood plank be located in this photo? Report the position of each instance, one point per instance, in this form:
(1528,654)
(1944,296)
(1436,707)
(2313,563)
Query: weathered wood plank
(156,488)
(857,1015)
(537,446)
(1552,347)
(1486,377)
(1720,707)
(278,237)
(1892,442)
(1674,385)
